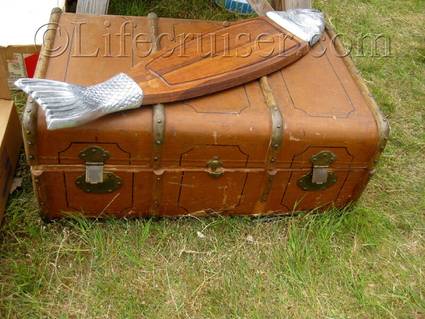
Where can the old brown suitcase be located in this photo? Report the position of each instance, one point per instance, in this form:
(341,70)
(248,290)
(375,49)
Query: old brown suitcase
(303,138)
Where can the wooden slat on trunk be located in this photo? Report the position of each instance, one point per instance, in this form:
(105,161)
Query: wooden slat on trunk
(279,5)
(96,7)
(294,4)
(260,6)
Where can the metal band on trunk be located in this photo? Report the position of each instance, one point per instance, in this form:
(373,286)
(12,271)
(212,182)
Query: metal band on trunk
(158,126)
(275,139)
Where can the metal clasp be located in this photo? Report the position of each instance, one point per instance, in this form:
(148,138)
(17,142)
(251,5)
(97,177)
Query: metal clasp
(95,158)
(320,177)
(95,179)
(94,173)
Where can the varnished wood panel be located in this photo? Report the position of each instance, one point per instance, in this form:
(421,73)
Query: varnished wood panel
(216,61)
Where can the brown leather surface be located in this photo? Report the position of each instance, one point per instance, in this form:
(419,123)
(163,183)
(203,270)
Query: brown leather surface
(323,109)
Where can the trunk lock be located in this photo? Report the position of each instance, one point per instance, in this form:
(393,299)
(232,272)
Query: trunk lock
(320,177)
(215,166)
(95,180)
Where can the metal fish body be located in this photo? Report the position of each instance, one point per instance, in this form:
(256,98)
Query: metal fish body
(68,105)
(306,24)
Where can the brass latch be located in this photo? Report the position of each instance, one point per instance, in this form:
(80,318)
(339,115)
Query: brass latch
(215,167)
(95,180)
(320,177)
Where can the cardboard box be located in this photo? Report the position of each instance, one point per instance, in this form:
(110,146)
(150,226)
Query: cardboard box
(10,129)
(10,143)
(4,75)
(12,61)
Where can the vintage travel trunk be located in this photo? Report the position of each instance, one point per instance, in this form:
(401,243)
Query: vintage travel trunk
(303,138)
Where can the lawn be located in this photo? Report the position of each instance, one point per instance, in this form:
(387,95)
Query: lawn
(367,261)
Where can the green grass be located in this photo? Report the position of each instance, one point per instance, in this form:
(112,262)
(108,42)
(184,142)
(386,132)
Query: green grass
(364,262)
